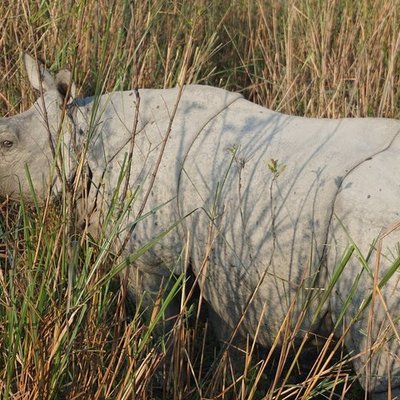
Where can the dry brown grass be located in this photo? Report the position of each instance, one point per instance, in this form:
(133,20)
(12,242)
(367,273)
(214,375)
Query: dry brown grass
(314,58)
(306,57)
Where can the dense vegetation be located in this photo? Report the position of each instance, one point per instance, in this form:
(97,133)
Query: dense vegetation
(65,330)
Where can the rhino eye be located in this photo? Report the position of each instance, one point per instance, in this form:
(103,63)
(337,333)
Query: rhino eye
(7,144)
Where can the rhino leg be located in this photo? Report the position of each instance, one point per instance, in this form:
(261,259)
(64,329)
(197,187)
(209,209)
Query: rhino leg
(150,290)
(366,303)
(394,395)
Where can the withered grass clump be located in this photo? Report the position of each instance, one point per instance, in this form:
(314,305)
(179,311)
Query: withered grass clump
(65,330)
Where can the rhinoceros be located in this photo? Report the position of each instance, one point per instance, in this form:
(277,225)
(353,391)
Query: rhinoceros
(270,207)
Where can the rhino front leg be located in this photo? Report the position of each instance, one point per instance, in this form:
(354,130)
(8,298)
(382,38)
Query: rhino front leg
(152,293)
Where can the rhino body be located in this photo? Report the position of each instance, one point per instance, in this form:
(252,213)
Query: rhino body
(272,236)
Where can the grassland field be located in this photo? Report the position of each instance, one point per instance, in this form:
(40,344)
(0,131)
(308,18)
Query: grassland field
(65,330)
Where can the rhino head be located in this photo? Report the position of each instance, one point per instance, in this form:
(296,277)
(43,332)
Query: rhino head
(35,145)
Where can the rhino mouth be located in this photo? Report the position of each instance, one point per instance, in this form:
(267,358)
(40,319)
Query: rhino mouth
(10,186)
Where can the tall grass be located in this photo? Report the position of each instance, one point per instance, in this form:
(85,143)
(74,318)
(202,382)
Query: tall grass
(65,331)
(307,57)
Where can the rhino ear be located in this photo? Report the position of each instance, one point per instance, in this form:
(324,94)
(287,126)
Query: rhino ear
(38,76)
(65,85)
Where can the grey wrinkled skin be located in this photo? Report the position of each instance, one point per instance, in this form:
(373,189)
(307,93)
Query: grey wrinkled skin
(251,233)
